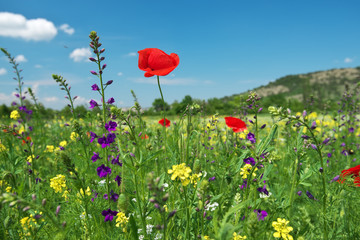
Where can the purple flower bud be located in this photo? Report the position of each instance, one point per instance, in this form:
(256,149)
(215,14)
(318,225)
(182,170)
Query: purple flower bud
(335,178)
(313,125)
(299,193)
(57,210)
(326,141)
(304,113)
(92,59)
(109,82)
(93,73)
(104,66)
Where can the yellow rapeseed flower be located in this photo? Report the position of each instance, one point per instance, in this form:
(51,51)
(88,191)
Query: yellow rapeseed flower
(58,182)
(15,115)
(182,172)
(282,230)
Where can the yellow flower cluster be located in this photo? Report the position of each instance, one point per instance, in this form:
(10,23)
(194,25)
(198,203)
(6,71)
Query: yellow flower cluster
(15,115)
(58,183)
(195,178)
(30,158)
(49,148)
(238,237)
(121,220)
(182,172)
(2,147)
(246,170)
(29,223)
(282,230)
(74,136)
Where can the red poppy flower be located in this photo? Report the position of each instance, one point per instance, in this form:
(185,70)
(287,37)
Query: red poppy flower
(28,139)
(352,172)
(236,124)
(146,136)
(167,122)
(156,62)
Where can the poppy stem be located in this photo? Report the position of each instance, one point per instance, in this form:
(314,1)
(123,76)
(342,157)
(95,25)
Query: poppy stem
(164,110)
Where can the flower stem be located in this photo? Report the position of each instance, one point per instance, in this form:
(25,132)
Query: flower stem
(164,129)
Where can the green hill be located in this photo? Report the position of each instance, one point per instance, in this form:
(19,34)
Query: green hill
(323,88)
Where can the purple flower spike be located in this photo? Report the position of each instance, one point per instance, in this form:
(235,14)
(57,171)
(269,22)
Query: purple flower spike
(93,104)
(108,214)
(103,171)
(95,87)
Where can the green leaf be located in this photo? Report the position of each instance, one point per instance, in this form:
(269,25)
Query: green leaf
(133,228)
(267,140)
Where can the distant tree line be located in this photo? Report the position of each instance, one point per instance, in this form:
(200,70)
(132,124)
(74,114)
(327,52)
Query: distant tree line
(223,106)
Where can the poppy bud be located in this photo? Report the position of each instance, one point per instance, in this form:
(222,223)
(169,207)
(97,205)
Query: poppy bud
(123,202)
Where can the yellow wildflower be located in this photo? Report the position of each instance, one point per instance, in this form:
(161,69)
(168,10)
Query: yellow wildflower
(30,158)
(2,147)
(182,172)
(121,220)
(21,130)
(58,182)
(49,148)
(282,230)
(195,178)
(63,143)
(74,136)
(66,195)
(15,115)
(8,189)
(238,237)
(246,170)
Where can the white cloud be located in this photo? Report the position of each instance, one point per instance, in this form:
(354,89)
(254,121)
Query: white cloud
(7,99)
(132,54)
(348,60)
(51,99)
(36,84)
(81,101)
(172,81)
(67,29)
(17,26)
(3,71)
(80,54)
(38,66)
(20,58)
(120,74)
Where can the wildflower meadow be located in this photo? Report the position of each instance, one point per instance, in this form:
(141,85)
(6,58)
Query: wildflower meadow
(115,174)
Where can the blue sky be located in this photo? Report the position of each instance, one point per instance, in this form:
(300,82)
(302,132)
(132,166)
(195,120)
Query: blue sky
(225,47)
